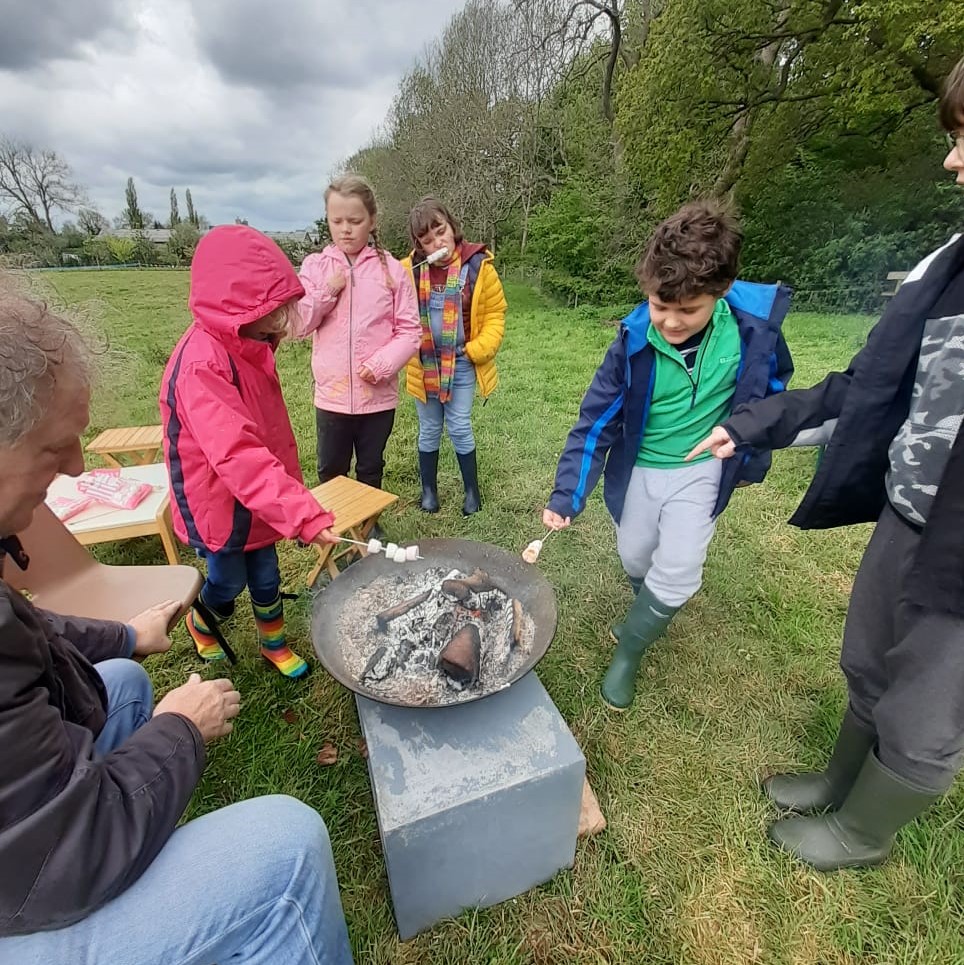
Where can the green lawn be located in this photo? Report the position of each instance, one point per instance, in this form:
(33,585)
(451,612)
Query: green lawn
(746,680)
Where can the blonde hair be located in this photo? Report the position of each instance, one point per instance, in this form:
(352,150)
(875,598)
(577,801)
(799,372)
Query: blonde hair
(355,186)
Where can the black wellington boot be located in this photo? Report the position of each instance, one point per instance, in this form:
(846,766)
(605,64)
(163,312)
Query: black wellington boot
(861,832)
(428,470)
(819,790)
(470,477)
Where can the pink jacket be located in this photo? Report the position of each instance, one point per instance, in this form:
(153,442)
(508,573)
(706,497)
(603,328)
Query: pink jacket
(235,479)
(367,322)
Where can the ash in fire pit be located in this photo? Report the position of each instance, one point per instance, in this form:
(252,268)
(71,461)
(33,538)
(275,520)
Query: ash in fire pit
(436,637)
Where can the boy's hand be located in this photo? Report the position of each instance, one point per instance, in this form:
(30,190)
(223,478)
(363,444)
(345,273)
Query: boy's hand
(718,442)
(336,281)
(553,520)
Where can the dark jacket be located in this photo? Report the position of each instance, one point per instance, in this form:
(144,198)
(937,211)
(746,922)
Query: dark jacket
(870,401)
(612,417)
(75,829)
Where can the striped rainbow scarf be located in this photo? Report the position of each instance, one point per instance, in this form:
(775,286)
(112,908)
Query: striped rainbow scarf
(442,356)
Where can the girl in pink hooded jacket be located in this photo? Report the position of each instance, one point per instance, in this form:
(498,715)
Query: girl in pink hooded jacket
(361,311)
(236,483)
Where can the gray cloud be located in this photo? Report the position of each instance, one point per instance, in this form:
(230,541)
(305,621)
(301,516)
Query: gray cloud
(283,46)
(253,121)
(32,33)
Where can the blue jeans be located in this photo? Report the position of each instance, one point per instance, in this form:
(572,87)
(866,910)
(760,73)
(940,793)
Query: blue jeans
(249,884)
(455,415)
(230,571)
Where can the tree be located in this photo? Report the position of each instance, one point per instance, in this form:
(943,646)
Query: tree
(91,221)
(183,241)
(175,218)
(36,182)
(192,215)
(133,216)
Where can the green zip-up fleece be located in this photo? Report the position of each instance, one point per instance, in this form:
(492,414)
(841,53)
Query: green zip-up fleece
(685,406)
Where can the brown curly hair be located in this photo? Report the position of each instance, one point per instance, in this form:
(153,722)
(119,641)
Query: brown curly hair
(694,252)
(951,110)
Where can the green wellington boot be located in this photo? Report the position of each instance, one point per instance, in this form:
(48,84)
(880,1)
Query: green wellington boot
(646,622)
(861,833)
(819,790)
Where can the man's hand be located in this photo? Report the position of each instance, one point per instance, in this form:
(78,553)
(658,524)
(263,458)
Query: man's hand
(718,442)
(553,520)
(336,281)
(150,628)
(326,537)
(367,375)
(210,705)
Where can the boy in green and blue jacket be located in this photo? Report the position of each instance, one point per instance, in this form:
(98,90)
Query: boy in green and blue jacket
(700,345)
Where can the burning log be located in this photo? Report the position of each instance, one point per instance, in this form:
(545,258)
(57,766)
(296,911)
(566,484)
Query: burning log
(516,622)
(400,609)
(461,658)
(461,590)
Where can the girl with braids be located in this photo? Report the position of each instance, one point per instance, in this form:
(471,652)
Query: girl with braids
(361,312)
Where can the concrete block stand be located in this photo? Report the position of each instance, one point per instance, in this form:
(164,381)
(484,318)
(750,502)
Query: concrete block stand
(476,803)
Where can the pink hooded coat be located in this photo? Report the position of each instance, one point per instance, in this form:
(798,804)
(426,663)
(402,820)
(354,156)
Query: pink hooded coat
(235,479)
(366,323)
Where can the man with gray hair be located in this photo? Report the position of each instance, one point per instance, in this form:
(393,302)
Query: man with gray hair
(93,780)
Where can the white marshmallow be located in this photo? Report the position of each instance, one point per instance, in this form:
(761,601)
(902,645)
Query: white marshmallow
(531,553)
(399,556)
(411,553)
(374,546)
(436,256)
(390,550)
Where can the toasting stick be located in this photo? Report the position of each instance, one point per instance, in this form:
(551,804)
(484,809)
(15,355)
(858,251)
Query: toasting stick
(400,554)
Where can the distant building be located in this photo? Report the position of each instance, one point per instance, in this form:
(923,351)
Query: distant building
(157,236)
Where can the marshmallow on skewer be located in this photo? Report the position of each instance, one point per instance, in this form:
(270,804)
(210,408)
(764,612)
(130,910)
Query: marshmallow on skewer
(531,553)
(436,256)
(374,546)
(390,550)
(411,553)
(400,555)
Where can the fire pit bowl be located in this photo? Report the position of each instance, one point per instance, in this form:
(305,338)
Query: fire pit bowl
(345,631)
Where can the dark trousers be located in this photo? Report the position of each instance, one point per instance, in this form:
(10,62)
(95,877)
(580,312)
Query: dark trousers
(904,665)
(230,571)
(340,435)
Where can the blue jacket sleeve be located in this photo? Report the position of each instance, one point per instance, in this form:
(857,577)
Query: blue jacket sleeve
(599,426)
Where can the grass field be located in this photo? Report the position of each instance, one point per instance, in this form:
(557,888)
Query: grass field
(746,680)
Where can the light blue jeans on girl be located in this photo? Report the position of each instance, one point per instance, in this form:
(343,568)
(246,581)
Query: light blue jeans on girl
(250,884)
(455,415)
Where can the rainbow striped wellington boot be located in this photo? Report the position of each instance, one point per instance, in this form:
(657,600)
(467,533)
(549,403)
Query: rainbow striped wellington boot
(205,642)
(270,619)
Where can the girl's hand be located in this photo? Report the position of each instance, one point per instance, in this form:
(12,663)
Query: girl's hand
(336,281)
(326,537)
(718,442)
(367,375)
(553,520)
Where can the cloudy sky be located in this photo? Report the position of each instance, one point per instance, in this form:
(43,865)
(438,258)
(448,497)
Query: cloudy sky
(249,103)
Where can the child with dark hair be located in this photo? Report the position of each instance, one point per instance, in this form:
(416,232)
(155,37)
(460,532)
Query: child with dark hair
(895,456)
(702,343)
(462,310)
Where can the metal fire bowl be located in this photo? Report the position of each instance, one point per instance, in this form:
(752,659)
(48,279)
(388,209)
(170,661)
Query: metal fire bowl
(514,576)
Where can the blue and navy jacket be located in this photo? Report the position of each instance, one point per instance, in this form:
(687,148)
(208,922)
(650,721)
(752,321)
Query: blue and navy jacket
(612,417)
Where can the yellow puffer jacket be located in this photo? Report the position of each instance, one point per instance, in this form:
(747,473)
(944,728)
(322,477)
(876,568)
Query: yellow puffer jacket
(483,336)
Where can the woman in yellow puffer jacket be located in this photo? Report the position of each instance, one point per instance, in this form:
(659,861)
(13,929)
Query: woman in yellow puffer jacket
(462,311)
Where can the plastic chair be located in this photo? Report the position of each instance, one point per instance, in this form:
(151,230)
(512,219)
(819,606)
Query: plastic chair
(65,578)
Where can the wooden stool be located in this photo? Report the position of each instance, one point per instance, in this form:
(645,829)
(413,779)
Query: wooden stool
(356,508)
(102,524)
(143,444)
